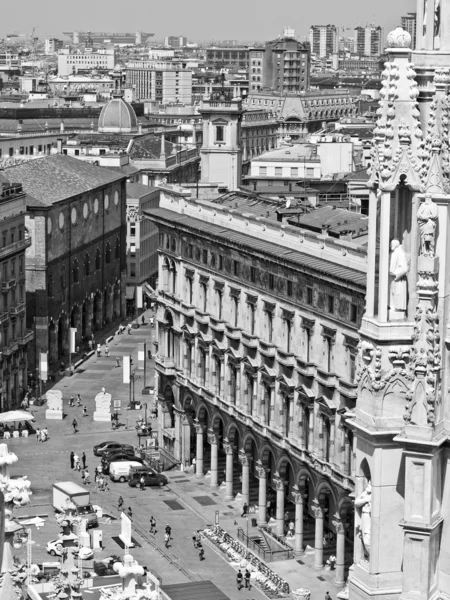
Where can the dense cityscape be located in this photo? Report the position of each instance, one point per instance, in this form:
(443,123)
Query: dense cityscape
(224,308)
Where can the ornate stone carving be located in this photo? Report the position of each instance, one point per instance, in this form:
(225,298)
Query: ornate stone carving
(244,459)
(338,526)
(261,470)
(227,447)
(279,484)
(426,218)
(212,437)
(364,506)
(398,286)
(198,427)
(317,511)
(398,38)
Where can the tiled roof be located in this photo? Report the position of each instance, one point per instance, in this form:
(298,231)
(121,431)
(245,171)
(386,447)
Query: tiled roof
(334,220)
(326,268)
(136,190)
(149,146)
(54,178)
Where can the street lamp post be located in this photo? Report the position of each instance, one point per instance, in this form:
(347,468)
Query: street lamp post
(145,405)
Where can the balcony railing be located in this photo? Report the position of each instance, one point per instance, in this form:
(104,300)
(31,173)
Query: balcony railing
(15,247)
(25,339)
(8,285)
(250,340)
(166,365)
(17,310)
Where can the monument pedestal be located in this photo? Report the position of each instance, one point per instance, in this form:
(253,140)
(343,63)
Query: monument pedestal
(54,414)
(101,416)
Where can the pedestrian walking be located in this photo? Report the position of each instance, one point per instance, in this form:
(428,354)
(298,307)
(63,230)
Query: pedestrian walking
(201,552)
(38,435)
(90,345)
(85,411)
(83,459)
(327,596)
(152,321)
(247,576)
(142,482)
(166,540)
(44,434)
(100,482)
(152,524)
(75,425)
(76,460)
(244,510)
(72,401)
(71,460)
(120,504)
(87,477)
(129,328)
(168,530)
(107,351)
(96,474)
(78,400)
(239,580)
(130,512)
(105,485)
(143,320)
(145,305)
(83,475)
(99,350)
(117,361)
(103,390)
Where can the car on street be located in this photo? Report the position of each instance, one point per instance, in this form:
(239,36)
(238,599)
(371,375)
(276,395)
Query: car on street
(100,449)
(151,477)
(54,547)
(118,457)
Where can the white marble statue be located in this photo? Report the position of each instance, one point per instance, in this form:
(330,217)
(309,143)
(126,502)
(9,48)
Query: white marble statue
(364,505)
(426,217)
(398,286)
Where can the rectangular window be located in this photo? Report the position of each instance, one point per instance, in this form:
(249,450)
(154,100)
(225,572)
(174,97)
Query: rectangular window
(132,230)
(220,134)
(271,281)
(278,171)
(236,268)
(252,274)
(263,170)
(269,326)
(309,172)
(331,304)
(352,365)
(13,267)
(289,288)
(190,251)
(294,171)
(132,269)
(309,295)
(205,257)
(353,313)
(252,315)
(220,262)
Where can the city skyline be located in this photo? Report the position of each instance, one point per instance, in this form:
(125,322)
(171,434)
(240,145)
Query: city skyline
(23,17)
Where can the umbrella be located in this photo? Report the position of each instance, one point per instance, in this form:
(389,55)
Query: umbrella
(15,415)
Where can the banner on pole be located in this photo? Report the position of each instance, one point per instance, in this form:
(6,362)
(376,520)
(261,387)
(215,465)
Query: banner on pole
(141,355)
(43,366)
(139,296)
(72,334)
(126,369)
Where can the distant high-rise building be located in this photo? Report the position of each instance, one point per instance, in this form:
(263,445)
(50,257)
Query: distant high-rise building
(175,41)
(162,82)
(368,40)
(286,64)
(409,23)
(323,40)
(52,45)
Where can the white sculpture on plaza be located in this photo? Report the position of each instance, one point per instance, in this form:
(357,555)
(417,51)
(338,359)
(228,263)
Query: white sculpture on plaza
(364,505)
(129,570)
(398,287)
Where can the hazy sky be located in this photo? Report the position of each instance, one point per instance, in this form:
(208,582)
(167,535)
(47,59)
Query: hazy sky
(197,19)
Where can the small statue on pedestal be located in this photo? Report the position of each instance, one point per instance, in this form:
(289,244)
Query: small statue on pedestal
(398,286)
(426,218)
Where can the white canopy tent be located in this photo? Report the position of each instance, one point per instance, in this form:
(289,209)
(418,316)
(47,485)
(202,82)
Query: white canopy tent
(14,416)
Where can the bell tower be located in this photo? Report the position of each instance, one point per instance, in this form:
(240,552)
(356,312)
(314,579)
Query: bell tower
(221,153)
(401,423)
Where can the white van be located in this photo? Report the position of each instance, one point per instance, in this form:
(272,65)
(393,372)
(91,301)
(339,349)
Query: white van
(119,471)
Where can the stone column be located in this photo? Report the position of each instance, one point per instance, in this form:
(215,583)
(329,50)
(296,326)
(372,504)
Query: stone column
(199,454)
(298,540)
(318,544)
(228,472)
(279,486)
(245,462)
(340,551)
(371,254)
(262,494)
(383,294)
(212,438)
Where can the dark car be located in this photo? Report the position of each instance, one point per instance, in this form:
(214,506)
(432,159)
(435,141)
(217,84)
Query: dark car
(105,567)
(151,477)
(118,457)
(100,449)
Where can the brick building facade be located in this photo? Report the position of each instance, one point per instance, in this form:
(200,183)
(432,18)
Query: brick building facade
(75,266)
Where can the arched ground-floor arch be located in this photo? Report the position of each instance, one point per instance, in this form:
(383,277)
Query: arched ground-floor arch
(286,494)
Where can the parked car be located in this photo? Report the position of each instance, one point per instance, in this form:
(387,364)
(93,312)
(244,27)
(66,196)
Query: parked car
(118,457)
(54,547)
(83,553)
(151,477)
(100,449)
(108,456)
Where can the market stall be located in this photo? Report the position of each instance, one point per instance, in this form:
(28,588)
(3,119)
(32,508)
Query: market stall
(16,423)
